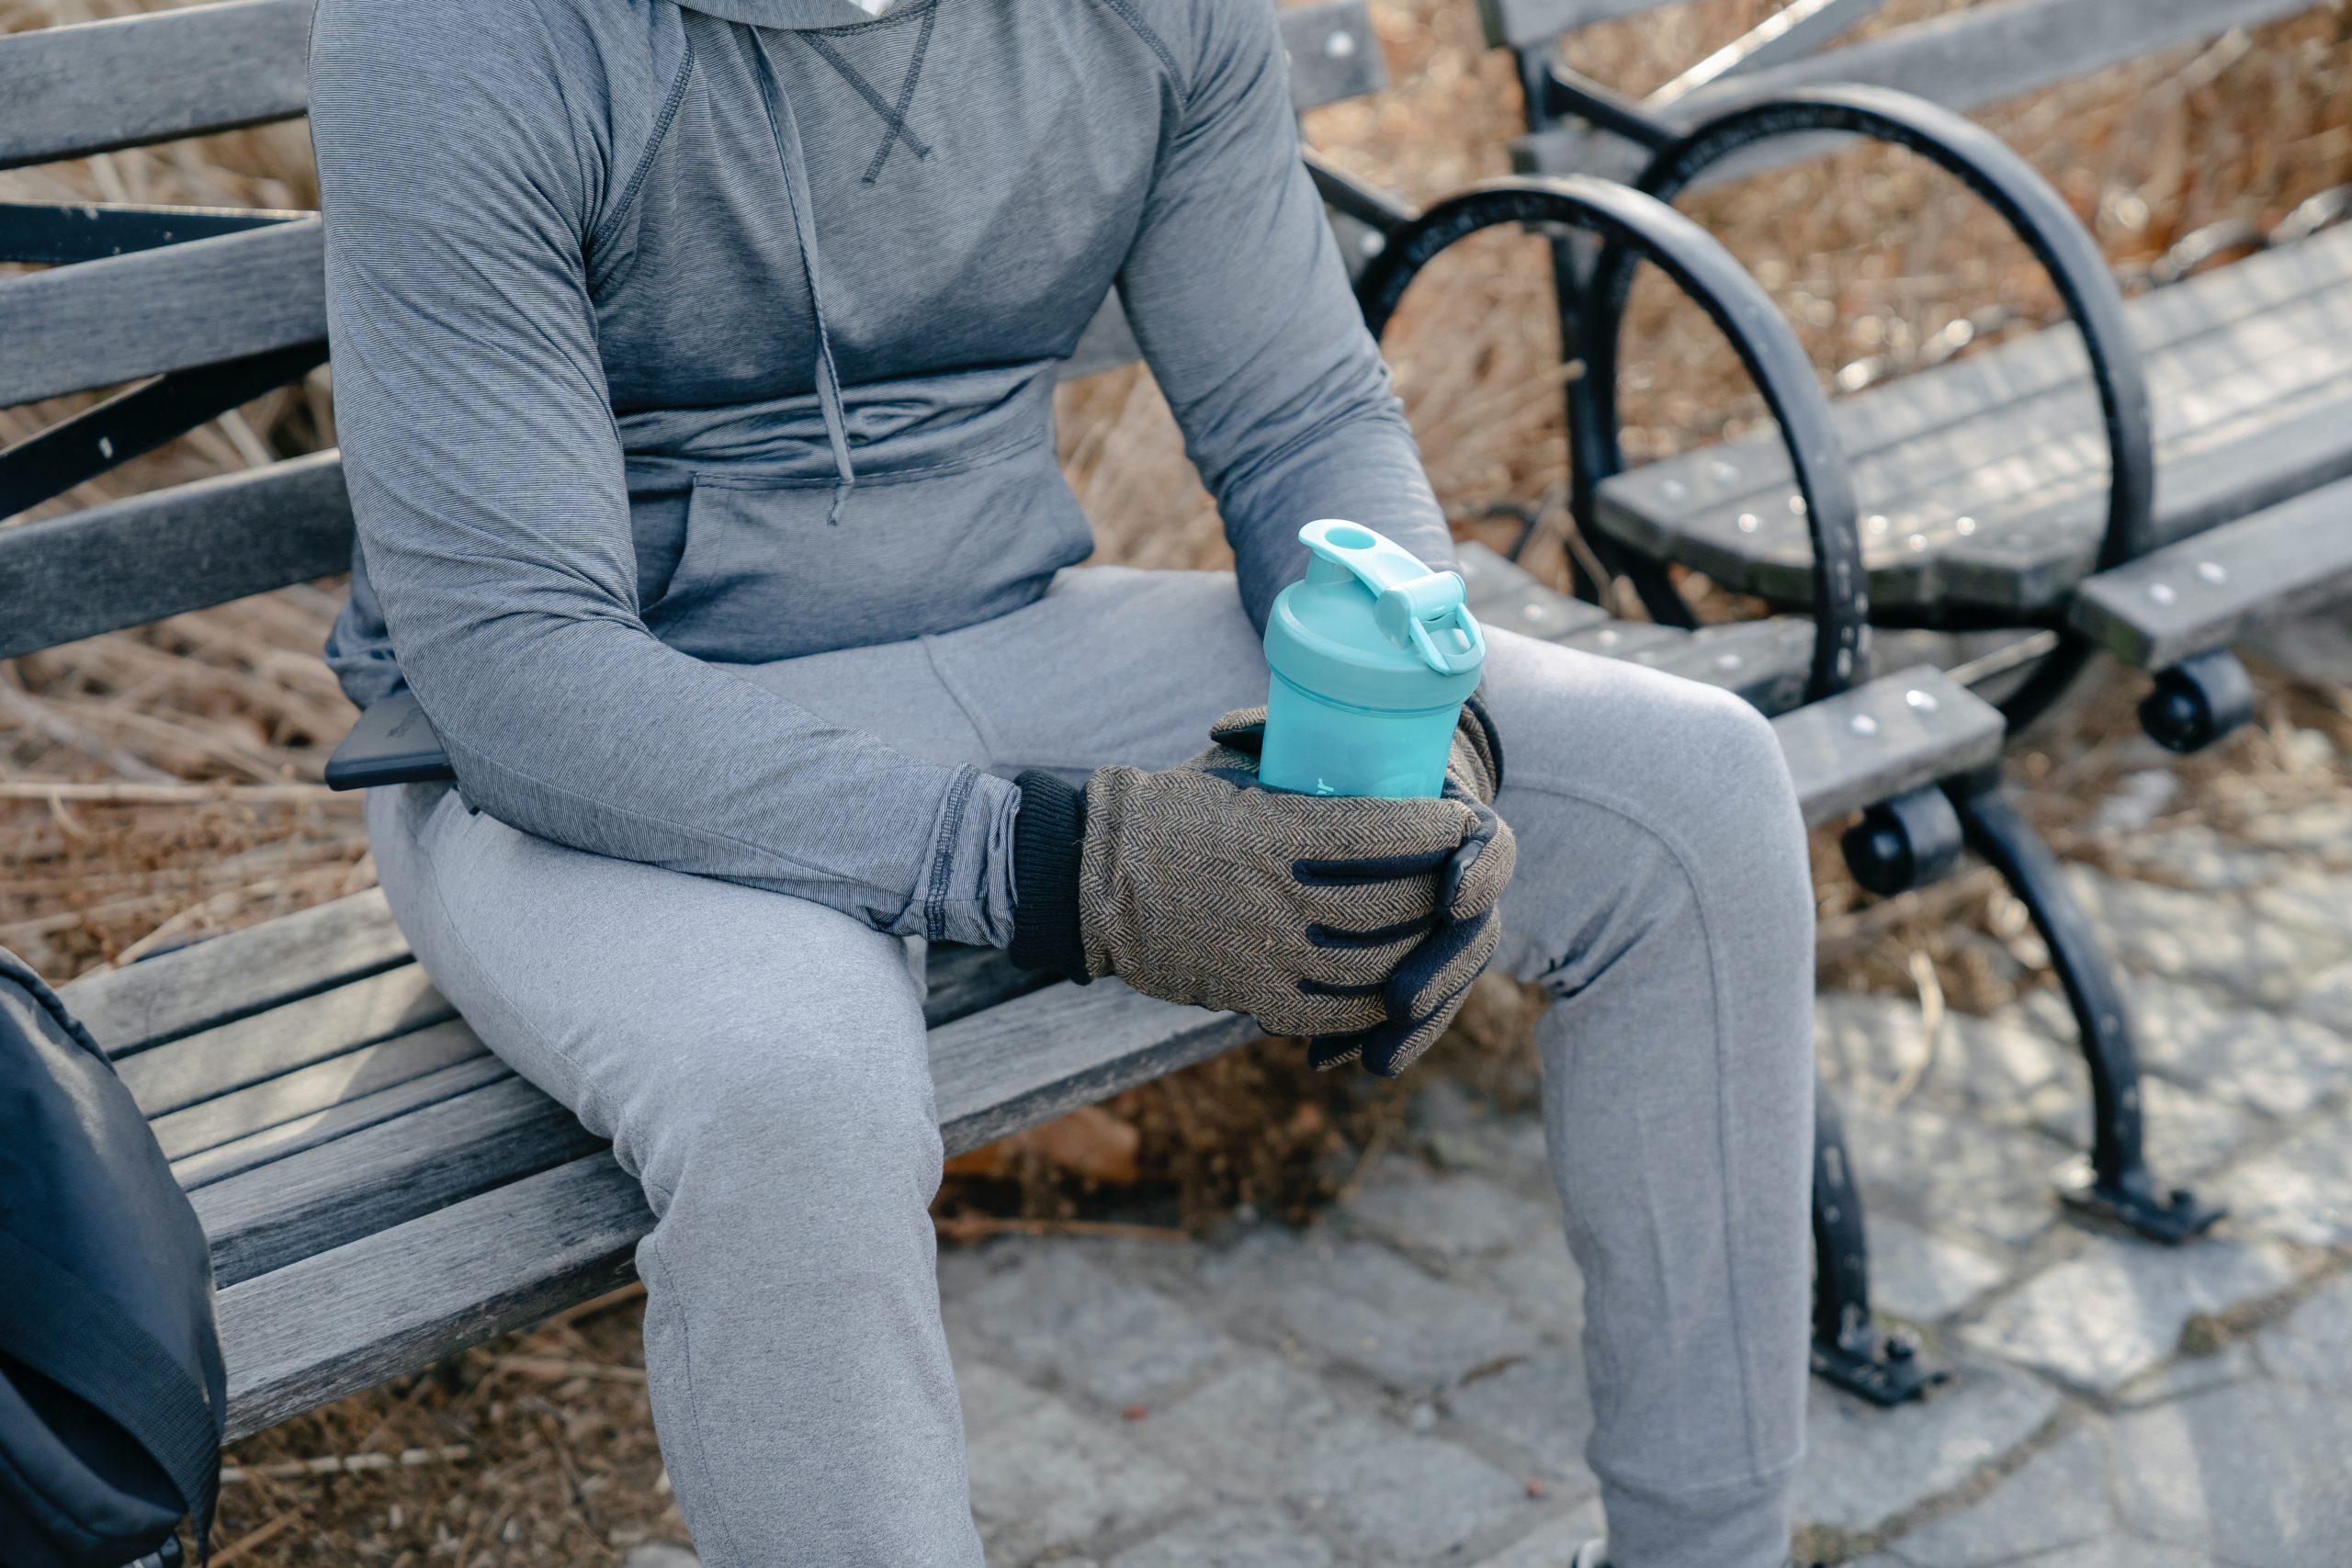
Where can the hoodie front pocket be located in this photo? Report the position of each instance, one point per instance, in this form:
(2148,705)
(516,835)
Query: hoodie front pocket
(764,575)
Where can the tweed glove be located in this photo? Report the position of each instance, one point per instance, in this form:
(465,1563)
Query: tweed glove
(1195,885)
(1425,991)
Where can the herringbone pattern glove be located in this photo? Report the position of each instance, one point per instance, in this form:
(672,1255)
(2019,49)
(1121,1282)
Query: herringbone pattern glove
(1314,915)
(1422,995)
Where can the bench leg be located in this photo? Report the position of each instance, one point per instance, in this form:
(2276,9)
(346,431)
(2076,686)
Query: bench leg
(2120,1187)
(1848,1352)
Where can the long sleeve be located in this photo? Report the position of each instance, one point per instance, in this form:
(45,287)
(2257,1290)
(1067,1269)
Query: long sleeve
(459,168)
(1238,297)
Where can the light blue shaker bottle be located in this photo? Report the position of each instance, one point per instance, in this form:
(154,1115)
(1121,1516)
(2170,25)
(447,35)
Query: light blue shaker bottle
(1372,654)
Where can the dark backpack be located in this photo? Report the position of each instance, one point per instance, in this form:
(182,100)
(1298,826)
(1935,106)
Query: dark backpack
(112,1396)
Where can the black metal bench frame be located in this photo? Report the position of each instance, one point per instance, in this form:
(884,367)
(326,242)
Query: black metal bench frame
(1679,137)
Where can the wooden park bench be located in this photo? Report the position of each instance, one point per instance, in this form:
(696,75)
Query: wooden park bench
(2203,492)
(379,1190)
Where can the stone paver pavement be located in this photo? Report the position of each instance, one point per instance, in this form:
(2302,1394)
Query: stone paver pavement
(1402,1384)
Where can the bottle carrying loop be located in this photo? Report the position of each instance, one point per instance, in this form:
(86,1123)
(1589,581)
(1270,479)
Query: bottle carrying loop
(1417,608)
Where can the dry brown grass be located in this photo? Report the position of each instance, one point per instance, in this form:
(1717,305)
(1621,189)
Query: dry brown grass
(1868,253)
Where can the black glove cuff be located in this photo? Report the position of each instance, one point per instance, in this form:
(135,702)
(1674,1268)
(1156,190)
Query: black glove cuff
(1048,840)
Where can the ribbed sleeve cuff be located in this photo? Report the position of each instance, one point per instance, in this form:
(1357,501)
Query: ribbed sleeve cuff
(1048,840)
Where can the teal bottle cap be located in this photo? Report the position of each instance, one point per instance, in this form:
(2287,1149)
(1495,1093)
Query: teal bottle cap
(1372,625)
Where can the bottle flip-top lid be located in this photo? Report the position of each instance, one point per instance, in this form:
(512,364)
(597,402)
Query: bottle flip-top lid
(1372,624)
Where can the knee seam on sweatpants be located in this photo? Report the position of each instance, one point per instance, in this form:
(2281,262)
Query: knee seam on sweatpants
(686,1374)
(1716,989)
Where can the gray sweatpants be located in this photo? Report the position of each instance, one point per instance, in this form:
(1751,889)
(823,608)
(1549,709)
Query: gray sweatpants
(759,1064)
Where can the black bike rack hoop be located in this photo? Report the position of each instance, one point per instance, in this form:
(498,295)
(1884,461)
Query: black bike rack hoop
(2033,211)
(1636,223)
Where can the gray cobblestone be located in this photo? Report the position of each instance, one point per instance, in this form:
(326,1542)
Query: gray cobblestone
(1922,1161)
(1923,1278)
(2057,1498)
(1056,1317)
(2186,1133)
(1451,1217)
(2327,1000)
(1045,1478)
(2254,1473)
(2313,900)
(1365,1305)
(1242,1538)
(1542,1281)
(1552,1543)
(2167,931)
(2299,1192)
(2104,1317)
(1405,1499)
(2314,1345)
(2123,1551)
(1867,1045)
(1864,1465)
(2279,1065)
(1541,1407)
(1245,1428)
(2186,1375)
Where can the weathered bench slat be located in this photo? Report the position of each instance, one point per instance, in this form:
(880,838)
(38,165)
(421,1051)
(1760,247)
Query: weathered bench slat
(383,1176)
(2032,553)
(959,981)
(71,91)
(330,1323)
(306,1091)
(1032,1058)
(1880,738)
(1334,54)
(2201,390)
(344,1320)
(243,972)
(336,1121)
(2195,386)
(1763,661)
(132,562)
(2005,49)
(2203,592)
(2297,296)
(2313,274)
(99,322)
(1964,61)
(1795,30)
(2026,553)
(1639,641)
(1521,22)
(2028,478)
(1536,609)
(211,1062)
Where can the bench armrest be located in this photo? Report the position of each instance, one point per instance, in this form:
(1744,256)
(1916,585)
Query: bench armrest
(392,743)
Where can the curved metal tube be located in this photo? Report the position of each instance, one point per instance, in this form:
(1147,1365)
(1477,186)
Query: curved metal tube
(2033,211)
(1628,220)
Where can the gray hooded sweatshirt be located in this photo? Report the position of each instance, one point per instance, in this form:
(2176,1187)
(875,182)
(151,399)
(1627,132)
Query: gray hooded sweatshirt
(674,336)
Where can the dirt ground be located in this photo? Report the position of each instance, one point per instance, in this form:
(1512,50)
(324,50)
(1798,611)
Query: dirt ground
(163,784)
